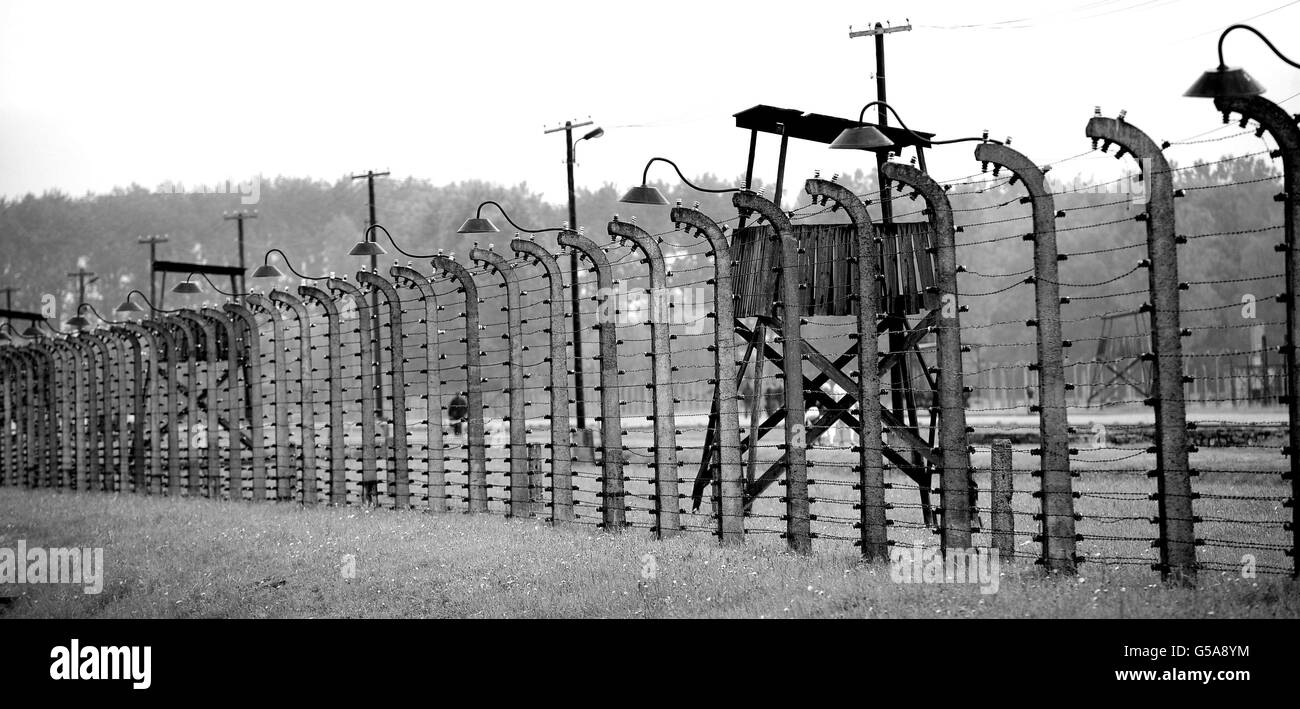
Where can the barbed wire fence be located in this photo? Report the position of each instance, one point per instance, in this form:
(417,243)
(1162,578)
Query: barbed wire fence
(1036,423)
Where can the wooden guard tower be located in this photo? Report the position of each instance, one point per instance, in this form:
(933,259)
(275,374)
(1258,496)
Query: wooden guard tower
(1125,337)
(908,307)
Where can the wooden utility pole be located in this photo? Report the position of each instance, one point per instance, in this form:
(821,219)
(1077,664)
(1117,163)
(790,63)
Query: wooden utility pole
(9,298)
(899,375)
(579,394)
(882,118)
(370,176)
(82,275)
(153,240)
(239,217)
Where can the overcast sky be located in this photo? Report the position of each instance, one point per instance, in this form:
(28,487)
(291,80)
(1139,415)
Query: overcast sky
(101,94)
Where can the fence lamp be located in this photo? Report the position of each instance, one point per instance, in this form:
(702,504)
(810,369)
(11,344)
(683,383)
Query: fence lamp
(369,238)
(80,322)
(478,224)
(368,246)
(7,327)
(33,331)
(646,194)
(869,137)
(266,270)
(128,307)
(189,286)
(1227,81)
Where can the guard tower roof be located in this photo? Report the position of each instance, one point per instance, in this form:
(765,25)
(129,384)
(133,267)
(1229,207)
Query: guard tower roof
(816,127)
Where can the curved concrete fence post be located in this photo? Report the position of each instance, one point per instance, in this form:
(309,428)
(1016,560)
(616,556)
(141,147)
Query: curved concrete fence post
(1174,487)
(77,411)
(27,417)
(232,402)
(248,337)
(722,441)
(185,347)
(476,445)
(8,377)
(798,532)
(613,491)
(369,453)
(561,453)
(872,518)
(333,337)
(121,407)
(150,457)
(170,426)
(133,338)
(434,453)
(103,422)
(280,375)
(205,332)
(28,438)
(667,495)
(306,392)
(520,499)
(10,399)
(188,341)
(955,480)
(400,468)
(64,390)
(1053,425)
(1282,126)
(47,425)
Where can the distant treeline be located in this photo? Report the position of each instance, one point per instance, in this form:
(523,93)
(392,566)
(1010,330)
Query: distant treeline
(316,222)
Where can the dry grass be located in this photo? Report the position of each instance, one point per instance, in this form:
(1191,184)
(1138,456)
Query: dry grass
(198,558)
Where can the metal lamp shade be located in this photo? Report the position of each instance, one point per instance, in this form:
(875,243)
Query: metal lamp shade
(644,195)
(861,138)
(477,225)
(78,322)
(127,307)
(187,287)
(266,270)
(367,248)
(1224,82)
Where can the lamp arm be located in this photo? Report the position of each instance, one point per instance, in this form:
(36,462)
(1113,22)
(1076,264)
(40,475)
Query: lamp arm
(863,114)
(96,314)
(479,214)
(972,139)
(152,307)
(1259,34)
(209,280)
(48,326)
(266,260)
(646,173)
(393,241)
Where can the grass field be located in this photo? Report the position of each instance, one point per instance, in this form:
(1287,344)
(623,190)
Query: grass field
(199,558)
